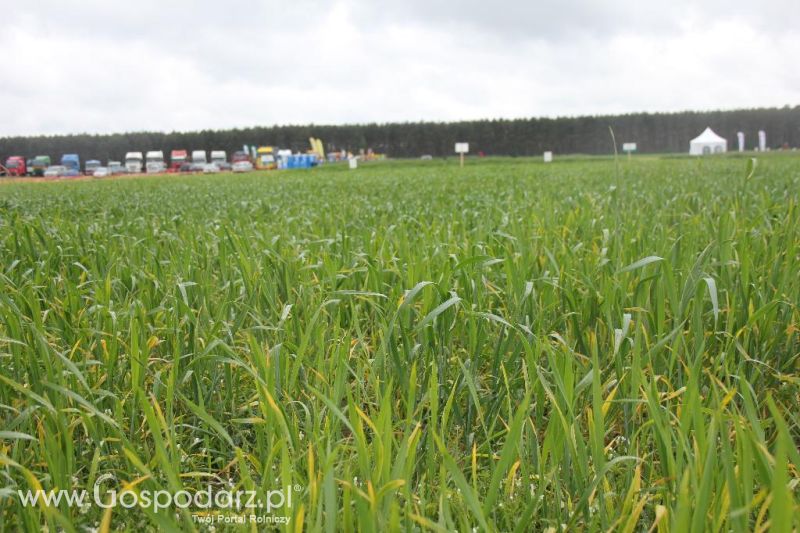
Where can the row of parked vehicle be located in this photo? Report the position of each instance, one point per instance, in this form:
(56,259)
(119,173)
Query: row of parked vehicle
(153,162)
(40,166)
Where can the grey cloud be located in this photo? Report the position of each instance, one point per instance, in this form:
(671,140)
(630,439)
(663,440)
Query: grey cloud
(201,64)
(559,20)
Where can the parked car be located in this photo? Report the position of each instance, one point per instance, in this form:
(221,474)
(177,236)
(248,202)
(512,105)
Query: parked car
(102,172)
(116,168)
(90,166)
(210,168)
(55,171)
(242,166)
(186,167)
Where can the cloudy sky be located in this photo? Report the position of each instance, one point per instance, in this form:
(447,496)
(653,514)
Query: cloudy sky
(107,65)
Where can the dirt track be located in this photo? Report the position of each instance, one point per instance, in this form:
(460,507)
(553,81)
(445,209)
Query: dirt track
(39,179)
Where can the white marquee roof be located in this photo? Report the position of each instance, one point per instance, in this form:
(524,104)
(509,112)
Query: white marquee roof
(708,136)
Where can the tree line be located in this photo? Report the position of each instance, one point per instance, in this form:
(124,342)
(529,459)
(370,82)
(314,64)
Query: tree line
(653,133)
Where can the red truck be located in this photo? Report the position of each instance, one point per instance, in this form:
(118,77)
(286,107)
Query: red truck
(16,166)
(176,159)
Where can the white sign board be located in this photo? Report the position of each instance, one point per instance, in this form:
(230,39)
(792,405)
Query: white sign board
(462,148)
(628,147)
(548,157)
(353,162)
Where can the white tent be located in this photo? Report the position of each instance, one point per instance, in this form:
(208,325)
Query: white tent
(707,142)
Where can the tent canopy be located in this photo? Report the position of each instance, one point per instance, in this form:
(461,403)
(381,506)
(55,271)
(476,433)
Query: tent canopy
(707,142)
(708,136)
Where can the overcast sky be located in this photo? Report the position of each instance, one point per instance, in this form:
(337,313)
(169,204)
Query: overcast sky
(107,66)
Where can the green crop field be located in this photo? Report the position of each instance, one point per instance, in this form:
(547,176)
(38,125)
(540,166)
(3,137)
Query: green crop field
(410,346)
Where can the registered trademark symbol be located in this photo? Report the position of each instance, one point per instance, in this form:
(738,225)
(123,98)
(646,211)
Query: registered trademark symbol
(298,488)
